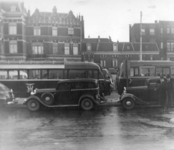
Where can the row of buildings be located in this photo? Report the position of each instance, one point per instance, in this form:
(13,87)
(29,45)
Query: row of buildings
(59,36)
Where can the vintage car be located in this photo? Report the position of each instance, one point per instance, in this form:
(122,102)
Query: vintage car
(6,95)
(71,92)
(141,95)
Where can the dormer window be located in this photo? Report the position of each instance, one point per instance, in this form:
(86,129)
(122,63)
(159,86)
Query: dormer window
(115,47)
(13,8)
(88,47)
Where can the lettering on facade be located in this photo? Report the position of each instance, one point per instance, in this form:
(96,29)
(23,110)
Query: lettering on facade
(30,87)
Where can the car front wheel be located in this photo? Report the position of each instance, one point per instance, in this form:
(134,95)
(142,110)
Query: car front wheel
(128,103)
(87,104)
(33,105)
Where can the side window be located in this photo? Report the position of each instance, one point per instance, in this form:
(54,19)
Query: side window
(77,74)
(34,74)
(79,85)
(44,74)
(55,74)
(3,74)
(89,75)
(158,71)
(23,74)
(64,87)
(13,74)
(96,76)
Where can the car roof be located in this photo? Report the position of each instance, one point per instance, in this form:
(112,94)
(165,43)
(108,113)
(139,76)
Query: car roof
(78,80)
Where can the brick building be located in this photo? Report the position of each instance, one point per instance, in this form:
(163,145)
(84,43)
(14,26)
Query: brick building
(110,54)
(39,36)
(161,32)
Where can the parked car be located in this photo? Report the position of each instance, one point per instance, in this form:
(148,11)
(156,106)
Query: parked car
(71,92)
(6,95)
(141,95)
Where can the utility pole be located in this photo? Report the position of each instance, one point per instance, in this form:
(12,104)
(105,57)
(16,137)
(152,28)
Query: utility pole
(141,36)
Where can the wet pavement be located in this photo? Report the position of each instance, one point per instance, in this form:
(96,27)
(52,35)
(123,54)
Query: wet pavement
(104,128)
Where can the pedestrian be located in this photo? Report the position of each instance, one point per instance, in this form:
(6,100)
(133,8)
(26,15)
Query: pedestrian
(162,93)
(169,88)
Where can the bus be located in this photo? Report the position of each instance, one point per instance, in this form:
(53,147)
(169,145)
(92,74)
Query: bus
(23,78)
(135,73)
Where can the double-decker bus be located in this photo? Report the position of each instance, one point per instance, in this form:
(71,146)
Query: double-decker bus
(135,73)
(24,77)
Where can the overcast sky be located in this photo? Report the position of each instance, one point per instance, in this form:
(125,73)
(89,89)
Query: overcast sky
(106,18)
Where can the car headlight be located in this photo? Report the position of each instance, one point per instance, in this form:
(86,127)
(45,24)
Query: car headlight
(33,92)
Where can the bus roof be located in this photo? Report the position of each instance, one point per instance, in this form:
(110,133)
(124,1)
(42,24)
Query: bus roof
(30,66)
(81,65)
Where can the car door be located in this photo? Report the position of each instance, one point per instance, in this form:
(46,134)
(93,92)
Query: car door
(153,93)
(63,94)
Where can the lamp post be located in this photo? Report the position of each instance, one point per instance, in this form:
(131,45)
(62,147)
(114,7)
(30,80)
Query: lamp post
(140,36)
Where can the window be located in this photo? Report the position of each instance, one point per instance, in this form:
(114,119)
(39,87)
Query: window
(161,45)
(88,47)
(115,47)
(70,31)
(75,49)
(168,30)
(151,57)
(55,48)
(64,87)
(90,85)
(13,47)
(66,47)
(79,85)
(55,74)
(172,71)
(38,48)
(152,31)
(3,74)
(77,74)
(101,63)
(23,74)
(162,71)
(142,31)
(13,8)
(13,74)
(36,30)
(161,30)
(114,62)
(172,30)
(12,28)
(34,74)
(170,46)
(54,31)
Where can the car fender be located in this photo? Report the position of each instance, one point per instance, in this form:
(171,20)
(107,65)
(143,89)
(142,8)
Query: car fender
(33,97)
(136,99)
(48,94)
(86,96)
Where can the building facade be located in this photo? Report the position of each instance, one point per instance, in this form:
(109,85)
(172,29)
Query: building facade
(40,36)
(111,54)
(161,32)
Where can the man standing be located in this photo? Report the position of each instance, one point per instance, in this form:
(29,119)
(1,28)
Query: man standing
(162,93)
(169,88)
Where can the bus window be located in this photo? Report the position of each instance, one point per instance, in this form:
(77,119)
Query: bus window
(23,74)
(158,71)
(3,74)
(147,71)
(13,74)
(44,74)
(89,75)
(166,71)
(136,72)
(76,74)
(34,74)
(95,74)
(55,74)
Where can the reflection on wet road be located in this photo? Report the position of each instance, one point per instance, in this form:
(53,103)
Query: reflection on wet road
(100,129)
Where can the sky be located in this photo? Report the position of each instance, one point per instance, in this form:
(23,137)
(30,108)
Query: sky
(106,18)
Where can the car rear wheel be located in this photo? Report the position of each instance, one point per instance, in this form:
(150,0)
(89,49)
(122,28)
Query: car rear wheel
(87,104)
(33,105)
(48,99)
(128,103)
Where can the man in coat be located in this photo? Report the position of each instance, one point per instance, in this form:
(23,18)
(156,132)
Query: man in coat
(169,88)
